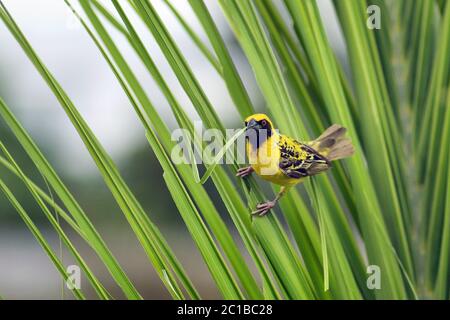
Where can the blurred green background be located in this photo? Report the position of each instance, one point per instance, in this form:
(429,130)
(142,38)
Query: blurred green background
(25,270)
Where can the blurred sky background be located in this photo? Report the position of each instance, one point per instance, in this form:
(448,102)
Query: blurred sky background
(67,50)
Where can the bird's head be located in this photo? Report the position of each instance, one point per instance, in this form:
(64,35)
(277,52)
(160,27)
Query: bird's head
(259,128)
(258,121)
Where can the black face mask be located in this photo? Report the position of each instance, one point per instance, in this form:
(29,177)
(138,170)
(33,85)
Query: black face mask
(258,132)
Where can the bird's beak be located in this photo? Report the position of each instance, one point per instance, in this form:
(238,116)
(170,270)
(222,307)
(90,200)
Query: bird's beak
(252,124)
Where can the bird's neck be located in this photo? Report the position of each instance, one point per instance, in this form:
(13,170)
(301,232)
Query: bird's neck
(259,138)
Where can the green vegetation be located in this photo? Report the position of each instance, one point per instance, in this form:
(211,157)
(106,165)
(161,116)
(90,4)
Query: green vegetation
(388,205)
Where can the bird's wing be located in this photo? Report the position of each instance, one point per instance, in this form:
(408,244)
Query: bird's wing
(298,160)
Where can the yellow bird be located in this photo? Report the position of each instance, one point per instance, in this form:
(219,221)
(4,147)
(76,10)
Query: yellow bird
(286,161)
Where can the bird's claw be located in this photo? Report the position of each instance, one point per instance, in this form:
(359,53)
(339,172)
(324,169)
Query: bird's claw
(263,208)
(243,172)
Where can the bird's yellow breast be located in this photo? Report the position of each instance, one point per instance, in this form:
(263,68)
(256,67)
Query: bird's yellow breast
(265,161)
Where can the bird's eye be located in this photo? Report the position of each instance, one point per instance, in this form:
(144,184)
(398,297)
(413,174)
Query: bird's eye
(245,123)
(263,123)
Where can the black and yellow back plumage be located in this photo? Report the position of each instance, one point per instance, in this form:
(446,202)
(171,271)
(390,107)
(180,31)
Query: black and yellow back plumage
(299,160)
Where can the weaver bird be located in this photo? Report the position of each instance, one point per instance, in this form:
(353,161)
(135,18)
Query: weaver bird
(286,161)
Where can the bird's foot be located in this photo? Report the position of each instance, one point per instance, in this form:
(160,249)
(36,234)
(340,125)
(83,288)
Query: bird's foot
(263,208)
(243,172)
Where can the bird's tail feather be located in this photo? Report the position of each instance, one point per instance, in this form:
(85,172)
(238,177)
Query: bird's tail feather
(333,144)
